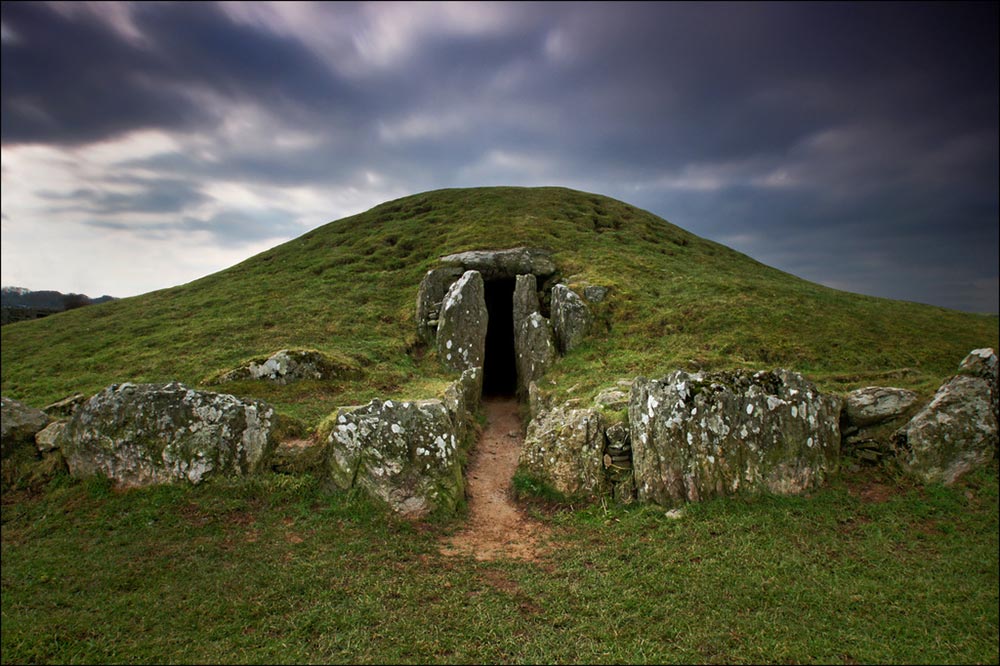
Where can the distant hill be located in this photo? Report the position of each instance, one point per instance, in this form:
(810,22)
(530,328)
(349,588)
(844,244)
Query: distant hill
(19,303)
(349,288)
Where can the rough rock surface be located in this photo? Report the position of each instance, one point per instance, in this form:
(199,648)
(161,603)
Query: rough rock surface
(565,447)
(462,398)
(525,298)
(287,366)
(570,318)
(461,335)
(612,398)
(66,406)
(19,425)
(877,404)
(869,420)
(430,295)
(696,436)
(504,264)
(534,350)
(404,453)
(142,434)
(984,363)
(595,294)
(47,439)
(953,434)
(617,461)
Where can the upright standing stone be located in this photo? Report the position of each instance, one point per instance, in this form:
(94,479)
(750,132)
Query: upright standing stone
(534,350)
(525,298)
(534,342)
(461,334)
(570,317)
(983,363)
(432,291)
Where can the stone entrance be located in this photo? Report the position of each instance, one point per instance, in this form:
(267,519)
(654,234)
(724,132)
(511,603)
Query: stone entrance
(486,308)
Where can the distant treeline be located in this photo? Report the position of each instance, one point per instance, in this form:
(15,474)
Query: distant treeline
(18,304)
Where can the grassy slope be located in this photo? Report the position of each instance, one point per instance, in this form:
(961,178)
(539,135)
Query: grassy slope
(349,288)
(278,569)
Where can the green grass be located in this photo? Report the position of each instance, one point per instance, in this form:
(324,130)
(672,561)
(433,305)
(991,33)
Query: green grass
(278,570)
(349,289)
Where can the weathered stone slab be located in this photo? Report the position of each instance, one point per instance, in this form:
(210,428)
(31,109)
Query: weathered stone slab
(66,406)
(461,334)
(525,298)
(47,439)
(287,366)
(430,295)
(142,434)
(570,318)
(696,436)
(953,434)
(877,404)
(462,398)
(504,264)
(404,453)
(595,293)
(983,363)
(565,448)
(534,350)
(18,425)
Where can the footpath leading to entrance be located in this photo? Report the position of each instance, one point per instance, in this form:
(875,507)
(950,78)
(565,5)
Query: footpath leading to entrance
(496,527)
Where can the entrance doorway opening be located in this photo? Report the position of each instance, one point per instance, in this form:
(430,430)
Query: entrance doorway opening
(499,365)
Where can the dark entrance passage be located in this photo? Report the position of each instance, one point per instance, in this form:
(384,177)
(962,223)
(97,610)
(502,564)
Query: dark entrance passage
(500,366)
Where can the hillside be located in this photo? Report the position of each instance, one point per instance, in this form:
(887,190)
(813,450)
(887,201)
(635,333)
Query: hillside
(348,289)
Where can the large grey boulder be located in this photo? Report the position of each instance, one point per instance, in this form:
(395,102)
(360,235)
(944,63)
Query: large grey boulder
(570,318)
(18,426)
(564,447)
(404,453)
(953,434)
(696,436)
(461,334)
(287,366)
(143,434)
(430,295)
(504,264)
(534,350)
(877,404)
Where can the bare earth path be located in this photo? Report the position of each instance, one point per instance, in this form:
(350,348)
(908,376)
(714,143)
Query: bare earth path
(496,527)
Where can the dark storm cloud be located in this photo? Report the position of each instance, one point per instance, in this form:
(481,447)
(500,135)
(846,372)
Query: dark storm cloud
(852,143)
(72,78)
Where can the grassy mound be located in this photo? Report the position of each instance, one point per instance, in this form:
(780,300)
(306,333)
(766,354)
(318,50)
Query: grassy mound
(348,289)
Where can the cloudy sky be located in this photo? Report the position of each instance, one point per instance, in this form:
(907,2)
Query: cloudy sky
(855,145)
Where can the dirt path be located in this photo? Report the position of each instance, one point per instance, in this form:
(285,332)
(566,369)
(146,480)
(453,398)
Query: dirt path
(496,528)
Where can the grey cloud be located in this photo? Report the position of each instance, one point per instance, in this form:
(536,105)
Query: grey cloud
(608,95)
(228,229)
